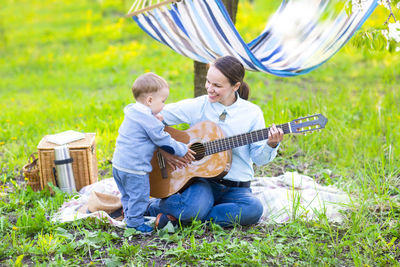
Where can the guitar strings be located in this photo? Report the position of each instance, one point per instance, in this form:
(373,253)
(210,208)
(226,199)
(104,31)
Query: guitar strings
(227,143)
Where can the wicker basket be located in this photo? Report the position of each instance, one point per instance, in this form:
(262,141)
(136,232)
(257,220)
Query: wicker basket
(31,172)
(84,165)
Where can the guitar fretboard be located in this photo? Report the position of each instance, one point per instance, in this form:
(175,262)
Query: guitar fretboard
(230,142)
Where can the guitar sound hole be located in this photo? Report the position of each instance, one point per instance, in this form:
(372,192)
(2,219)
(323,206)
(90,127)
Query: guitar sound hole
(199,149)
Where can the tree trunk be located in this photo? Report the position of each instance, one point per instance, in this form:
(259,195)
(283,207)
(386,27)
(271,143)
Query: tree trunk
(200,73)
(200,69)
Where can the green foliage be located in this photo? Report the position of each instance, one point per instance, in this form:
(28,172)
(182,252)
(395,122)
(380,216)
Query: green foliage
(372,39)
(69,65)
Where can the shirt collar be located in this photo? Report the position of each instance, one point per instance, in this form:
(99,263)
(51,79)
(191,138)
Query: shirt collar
(220,107)
(142,108)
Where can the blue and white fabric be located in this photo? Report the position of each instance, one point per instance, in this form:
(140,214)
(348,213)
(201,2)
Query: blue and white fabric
(298,38)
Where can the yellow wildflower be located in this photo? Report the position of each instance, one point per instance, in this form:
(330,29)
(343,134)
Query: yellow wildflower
(15,228)
(13,138)
(2,143)
(21,123)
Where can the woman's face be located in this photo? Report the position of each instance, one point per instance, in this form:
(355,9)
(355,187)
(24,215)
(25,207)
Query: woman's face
(219,88)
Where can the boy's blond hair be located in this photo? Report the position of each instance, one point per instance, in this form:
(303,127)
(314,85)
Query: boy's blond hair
(148,83)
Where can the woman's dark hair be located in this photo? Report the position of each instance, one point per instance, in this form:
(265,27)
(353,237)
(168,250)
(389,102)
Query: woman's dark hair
(232,69)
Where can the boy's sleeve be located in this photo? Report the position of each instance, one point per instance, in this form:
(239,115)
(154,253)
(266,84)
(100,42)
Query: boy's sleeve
(164,140)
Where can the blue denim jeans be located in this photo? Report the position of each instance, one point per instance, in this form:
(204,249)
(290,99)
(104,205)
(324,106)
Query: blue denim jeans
(135,192)
(206,200)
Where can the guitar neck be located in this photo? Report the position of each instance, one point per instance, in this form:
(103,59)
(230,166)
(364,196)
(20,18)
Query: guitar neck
(227,143)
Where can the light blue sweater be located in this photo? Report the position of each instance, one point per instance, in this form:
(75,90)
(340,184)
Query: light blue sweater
(139,135)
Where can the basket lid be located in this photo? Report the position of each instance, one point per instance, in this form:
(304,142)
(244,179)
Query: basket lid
(82,143)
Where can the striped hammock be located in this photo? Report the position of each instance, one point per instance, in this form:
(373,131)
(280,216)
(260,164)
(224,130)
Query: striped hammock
(300,36)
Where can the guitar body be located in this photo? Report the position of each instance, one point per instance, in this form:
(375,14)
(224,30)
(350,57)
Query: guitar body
(211,166)
(213,152)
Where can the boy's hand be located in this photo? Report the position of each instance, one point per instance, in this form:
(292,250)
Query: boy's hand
(189,155)
(175,161)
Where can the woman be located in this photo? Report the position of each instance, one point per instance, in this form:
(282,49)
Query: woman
(229,200)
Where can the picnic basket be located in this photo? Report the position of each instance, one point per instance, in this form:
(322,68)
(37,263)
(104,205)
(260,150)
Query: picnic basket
(31,172)
(84,164)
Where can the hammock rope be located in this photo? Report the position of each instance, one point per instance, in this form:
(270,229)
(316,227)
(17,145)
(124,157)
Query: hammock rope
(299,37)
(141,6)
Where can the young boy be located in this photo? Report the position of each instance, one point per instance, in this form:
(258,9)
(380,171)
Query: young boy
(140,134)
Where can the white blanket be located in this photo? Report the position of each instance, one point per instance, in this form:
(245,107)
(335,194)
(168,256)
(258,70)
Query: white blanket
(286,197)
(292,196)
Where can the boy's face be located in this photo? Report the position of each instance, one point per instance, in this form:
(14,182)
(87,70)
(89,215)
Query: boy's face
(156,101)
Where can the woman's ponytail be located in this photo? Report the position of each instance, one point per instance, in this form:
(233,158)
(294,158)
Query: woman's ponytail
(244,91)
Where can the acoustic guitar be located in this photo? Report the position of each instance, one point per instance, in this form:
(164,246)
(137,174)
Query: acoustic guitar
(213,152)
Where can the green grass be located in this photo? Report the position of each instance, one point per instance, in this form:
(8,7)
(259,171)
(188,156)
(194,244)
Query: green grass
(69,65)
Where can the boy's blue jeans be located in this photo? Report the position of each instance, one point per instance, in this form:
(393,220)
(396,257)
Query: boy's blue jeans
(206,200)
(135,192)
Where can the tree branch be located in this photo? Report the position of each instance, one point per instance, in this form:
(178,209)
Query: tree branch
(391,13)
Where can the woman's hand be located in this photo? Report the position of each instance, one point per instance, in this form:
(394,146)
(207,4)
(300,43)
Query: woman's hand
(175,161)
(275,136)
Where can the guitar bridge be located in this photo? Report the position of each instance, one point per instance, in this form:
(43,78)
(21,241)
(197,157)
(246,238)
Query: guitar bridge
(161,164)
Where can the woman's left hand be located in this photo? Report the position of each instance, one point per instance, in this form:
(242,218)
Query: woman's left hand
(275,136)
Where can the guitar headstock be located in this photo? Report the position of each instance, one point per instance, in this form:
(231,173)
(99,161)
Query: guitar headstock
(308,124)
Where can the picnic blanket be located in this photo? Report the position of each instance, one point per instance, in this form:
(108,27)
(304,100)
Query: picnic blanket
(285,197)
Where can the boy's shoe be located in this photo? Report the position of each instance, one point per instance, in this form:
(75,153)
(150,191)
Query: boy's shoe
(144,228)
(163,219)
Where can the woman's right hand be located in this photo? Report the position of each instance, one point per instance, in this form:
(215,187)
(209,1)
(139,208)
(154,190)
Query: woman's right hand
(174,161)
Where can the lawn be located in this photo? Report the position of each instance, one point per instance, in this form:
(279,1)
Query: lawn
(70,64)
